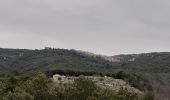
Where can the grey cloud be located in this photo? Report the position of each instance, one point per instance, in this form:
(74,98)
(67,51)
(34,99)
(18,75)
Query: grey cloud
(101,26)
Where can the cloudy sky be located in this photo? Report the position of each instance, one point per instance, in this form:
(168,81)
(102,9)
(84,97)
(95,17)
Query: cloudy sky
(100,26)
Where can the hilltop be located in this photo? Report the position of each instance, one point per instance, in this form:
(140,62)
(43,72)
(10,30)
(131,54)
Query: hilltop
(52,59)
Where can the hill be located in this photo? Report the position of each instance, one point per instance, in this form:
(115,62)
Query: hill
(157,62)
(52,59)
(49,59)
(154,66)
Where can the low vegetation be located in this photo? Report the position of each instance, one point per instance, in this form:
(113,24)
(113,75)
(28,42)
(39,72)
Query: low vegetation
(151,68)
(136,80)
(39,87)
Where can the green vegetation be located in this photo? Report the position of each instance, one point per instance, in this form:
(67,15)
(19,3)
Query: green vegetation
(22,60)
(136,80)
(38,87)
(50,59)
(147,62)
(153,66)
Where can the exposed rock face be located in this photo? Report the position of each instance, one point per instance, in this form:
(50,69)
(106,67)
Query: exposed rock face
(104,82)
(115,84)
(58,77)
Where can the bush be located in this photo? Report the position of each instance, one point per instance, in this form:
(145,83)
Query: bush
(148,96)
(38,88)
(18,94)
(135,80)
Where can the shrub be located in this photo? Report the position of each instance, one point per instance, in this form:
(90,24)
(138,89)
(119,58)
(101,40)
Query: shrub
(148,96)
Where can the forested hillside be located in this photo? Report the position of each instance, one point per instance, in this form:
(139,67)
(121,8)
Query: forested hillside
(146,62)
(49,59)
(153,66)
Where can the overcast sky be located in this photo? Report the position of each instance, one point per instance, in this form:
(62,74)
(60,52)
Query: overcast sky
(100,26)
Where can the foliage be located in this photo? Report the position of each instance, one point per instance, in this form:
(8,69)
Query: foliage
(17,94)
(158,62)
(38,88)
(15,61)
(23,60)
(148,96)
(123,94)
(136,80)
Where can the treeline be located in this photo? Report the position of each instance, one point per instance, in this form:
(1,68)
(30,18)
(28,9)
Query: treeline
(39,87)
(73,73)
(136,80)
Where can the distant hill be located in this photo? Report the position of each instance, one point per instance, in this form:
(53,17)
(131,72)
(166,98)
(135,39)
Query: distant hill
(51,59)
(145,62)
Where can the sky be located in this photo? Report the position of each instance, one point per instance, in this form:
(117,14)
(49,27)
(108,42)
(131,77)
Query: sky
(106,27)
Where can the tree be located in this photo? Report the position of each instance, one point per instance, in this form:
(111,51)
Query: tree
(148,96)
(18,94)
(84,88)
(38,87)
